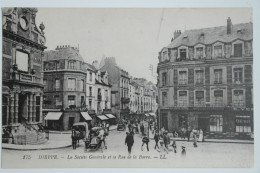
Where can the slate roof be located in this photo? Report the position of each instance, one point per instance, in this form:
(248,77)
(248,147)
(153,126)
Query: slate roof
(91,67)
(66,53)
(213,34)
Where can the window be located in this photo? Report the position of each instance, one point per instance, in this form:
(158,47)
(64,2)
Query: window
(44,81)
(57,65)
(90,91)
(71,100)
(90,104)
(71,65)
(81,85)
(165,56)
(238,98)
(238,75)
(216,123)
(90,76)
(57,100)
(218,51)
(38,106)
(57,84)
(164,98)
(217,76)
(238,50)
(183,98)
(218,98)
(183,80)
(199,96)
(183,54)
(199,52)
(199,76)
(22,61)
(164,79)
(71,84)
(243,124)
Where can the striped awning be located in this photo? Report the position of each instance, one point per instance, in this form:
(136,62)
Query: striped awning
(53,116)
(110,116)
(86,116)
(102,117)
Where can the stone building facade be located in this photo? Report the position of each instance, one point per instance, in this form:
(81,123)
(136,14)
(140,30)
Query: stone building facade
(23,45)
(206,81)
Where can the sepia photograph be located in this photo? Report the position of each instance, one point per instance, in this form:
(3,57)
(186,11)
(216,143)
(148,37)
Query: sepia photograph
(127,88)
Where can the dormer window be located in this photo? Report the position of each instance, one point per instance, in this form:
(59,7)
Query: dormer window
(218,51)
(238,50)
(183,54)
(165,55)
(199,52)
(71,65)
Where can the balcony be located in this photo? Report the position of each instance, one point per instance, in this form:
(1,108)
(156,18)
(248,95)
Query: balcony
(183,104)
(22,77)
(125,100)
(99,97)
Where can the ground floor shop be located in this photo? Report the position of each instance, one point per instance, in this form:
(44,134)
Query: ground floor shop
(215,123)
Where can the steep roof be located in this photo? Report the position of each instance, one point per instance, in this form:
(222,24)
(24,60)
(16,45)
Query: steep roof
(91,67)
(69,53)
(242,31)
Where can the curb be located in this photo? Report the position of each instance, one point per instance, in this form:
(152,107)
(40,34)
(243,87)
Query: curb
(31,149)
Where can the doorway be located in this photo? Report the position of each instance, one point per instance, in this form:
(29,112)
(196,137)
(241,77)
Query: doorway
(203,123)
(71,122)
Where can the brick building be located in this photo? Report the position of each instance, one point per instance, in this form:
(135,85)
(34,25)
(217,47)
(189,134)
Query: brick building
(23,45)
(206,82)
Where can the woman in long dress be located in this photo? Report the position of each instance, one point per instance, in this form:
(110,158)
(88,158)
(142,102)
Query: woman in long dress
(200,136)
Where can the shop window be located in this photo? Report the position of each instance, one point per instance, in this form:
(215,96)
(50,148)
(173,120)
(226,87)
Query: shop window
(238,75)
(199,96)
(218,98)
(216,123)
(238,50)
(183,78)
(217,76)
(243,124)
(199,76)
(238,98)
(183,98)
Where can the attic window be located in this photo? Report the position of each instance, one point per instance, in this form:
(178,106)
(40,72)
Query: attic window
(202,35)
(185,37)
(239,31)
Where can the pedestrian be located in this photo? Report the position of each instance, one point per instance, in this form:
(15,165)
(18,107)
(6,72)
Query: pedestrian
(195,138)
(200,136)
(188,133)
(142,129)
(146,141)
(102,137)
(129,127)
(156,139)
(166,139)
(183,151)
(107,127)
(129,141)
(162,148)
(74,139)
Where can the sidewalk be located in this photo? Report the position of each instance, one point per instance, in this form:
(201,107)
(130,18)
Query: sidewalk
(58,139)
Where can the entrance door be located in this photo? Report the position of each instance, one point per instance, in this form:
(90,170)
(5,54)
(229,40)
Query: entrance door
(203,123)
(165,121)
(71,122)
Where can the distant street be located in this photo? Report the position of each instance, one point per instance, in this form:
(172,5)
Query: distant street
(206,155)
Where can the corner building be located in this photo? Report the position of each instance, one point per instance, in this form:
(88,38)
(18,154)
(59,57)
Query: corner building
(206,81)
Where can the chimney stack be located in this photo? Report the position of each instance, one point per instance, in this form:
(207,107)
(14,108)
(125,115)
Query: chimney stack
(229,26)
(177,33)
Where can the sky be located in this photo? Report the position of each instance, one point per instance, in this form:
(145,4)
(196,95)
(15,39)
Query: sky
(133,36)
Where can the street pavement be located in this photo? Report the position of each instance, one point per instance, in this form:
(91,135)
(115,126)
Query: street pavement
(205,155)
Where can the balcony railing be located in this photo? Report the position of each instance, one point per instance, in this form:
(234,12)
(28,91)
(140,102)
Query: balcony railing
(218,81)
(199,104)
(22,77)
(239,104)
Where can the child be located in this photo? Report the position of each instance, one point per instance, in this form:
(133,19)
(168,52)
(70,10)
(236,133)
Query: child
(183,151)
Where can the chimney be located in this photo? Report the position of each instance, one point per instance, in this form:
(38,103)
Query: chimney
(229,26)
(177,33)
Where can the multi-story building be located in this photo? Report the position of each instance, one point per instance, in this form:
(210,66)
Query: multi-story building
(119,79)
(205,80)
(22,90)
(64,87)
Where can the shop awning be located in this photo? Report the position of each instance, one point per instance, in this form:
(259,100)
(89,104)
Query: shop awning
(53,116)
(147,115)
(102,117)
(152,114)
(86,116)
(110,116)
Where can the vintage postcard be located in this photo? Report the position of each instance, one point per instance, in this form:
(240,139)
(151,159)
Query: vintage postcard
(127,88)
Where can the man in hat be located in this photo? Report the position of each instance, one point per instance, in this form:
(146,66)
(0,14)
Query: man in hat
(183,151)
(146,141)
